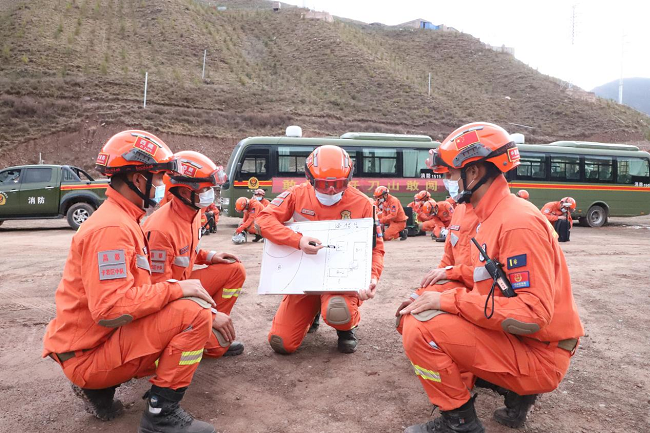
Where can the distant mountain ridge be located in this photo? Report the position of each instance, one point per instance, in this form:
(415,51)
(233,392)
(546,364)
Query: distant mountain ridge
(636,93)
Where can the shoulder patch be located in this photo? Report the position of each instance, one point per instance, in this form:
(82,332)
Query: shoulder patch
(181,252)
(277,201)
(516,261)
(454,227)
(284,194)
(519,280)
(112,264)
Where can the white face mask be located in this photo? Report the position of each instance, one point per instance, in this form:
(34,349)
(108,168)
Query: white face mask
(159,194)
(563,209)
(328,200)
(258,197)
(451,186)
(206,198)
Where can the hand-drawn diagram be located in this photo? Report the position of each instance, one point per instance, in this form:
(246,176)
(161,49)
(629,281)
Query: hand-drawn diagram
(342,266)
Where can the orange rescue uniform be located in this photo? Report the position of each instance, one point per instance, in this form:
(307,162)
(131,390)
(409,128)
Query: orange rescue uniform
(435,223)
(112,323)
(526,345)
(393,217)
(553,210)
(174,234)
(296,312)
(250,215)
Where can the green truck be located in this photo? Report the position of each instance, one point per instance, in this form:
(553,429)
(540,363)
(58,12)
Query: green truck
(49,191)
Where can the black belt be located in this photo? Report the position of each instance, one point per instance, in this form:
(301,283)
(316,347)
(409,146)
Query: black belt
(63,357)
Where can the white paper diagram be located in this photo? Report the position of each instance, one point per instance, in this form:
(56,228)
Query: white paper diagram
(342,266)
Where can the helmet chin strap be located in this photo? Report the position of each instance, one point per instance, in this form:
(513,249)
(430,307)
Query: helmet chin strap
(147,201)
(466,194)
(187,202)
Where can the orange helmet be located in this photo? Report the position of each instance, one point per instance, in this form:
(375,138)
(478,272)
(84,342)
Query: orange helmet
(380,191)
(440,169)
(422,196)
(522,193)
(196,171)
(568,202)
(135,151)
(329,169)
(260,191)
(477,142)
(241,204)
(430,207)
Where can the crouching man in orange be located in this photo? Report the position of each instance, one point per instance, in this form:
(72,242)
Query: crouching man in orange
(392,214)
(259,196)
(251,209)
(325,197)
(174,233)
(437,217)
(112,323)
(520,339)
(560,210)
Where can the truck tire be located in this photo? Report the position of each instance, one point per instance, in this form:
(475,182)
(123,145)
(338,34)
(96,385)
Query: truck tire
(78,213)
(596,216)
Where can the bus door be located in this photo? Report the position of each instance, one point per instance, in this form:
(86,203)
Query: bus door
(253,170)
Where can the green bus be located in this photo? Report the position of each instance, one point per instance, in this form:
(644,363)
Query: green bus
(605,179)
(274,164)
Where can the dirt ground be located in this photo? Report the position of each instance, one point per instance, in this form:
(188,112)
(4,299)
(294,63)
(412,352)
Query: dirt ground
(318,389)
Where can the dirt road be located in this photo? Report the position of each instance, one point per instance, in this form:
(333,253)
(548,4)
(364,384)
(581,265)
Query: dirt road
(318,389)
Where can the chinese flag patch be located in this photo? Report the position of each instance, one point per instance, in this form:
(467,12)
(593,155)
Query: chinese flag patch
(519,280)
(466,139)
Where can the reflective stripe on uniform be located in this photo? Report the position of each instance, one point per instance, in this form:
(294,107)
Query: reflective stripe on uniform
(229,293)
(453,239)
(189,358)
(142,262)
(211,254)
(481,274)
(426,374)
(182,261)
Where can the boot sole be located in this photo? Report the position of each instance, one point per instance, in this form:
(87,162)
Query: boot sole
(117,407)
(508,422)
(236,352)
(278,346)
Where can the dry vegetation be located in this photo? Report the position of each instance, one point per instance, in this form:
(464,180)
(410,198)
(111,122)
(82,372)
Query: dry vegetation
(68,64)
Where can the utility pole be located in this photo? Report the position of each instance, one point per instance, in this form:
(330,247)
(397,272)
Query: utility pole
(620,81)
(429,83)
(205,52)
(146,78)
(573,38)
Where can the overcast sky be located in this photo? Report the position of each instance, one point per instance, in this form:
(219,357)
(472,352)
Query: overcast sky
(540,31)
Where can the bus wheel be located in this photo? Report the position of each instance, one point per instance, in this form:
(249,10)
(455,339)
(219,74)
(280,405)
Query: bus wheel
(596,216)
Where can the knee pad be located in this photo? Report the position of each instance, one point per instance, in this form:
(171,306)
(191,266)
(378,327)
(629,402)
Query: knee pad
(220,338)
(338,312)
(278,345)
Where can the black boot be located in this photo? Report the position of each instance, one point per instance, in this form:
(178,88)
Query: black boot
(257,238)
(99,402)
(403,235)
(516,409)
(164,414)
(461,420)
(347,341)
(235,348)
(315,324)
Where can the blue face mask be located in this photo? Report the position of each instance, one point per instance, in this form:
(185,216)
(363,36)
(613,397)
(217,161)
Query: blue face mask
(159,194)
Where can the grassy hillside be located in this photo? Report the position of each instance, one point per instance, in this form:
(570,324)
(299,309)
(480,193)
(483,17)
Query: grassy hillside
(68,64)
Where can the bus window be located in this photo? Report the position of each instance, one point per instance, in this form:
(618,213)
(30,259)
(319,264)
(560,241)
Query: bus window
(565,167)
(413,162)
(379,162)
(599,169)
(632,170)
(532,167)
(291,160)
(255,164)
